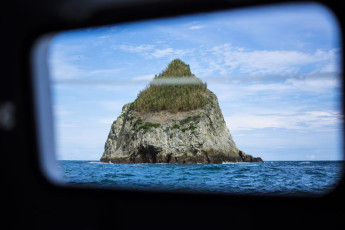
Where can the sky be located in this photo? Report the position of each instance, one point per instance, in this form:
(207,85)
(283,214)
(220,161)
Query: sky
(275,70)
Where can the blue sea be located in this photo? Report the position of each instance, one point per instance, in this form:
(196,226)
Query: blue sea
(270,177)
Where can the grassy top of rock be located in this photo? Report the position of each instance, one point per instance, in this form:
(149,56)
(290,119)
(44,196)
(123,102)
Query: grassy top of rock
(176,68)
(175,89)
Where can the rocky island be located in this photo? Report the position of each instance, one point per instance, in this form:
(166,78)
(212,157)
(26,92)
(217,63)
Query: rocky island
(175,119)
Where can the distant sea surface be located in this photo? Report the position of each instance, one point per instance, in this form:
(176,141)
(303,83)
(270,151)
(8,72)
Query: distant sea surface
(270,177)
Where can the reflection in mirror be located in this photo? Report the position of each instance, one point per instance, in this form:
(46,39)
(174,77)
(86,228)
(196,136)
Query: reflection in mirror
(235,101)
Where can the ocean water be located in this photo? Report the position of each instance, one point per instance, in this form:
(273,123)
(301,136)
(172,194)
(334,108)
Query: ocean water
(270,177)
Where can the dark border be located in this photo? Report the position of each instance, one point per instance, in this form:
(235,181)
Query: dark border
(34,202)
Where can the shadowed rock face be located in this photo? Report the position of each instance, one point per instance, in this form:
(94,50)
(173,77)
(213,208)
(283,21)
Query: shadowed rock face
(196,136)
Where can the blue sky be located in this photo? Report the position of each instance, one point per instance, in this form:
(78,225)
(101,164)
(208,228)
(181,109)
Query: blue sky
(275,71)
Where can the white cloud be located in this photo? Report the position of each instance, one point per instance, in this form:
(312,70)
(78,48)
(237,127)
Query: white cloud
(135,49)
(250,122)
(297,85)
(170,52)
(101,72)
(302,121)
(250,89)
(62,70)
(63,66)
(158,53)
(196,27)
(227,59)
(145,78)
(150,51)
(60,62)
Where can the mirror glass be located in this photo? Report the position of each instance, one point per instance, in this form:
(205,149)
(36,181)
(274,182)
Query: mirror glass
(242,101)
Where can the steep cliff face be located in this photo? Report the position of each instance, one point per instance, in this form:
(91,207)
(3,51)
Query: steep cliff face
(192,136)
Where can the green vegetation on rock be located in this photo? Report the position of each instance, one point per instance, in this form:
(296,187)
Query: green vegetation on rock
(138,125)
(185,124)
(149,125)
(175,89)
(176,126)
(189,119)
(138,122)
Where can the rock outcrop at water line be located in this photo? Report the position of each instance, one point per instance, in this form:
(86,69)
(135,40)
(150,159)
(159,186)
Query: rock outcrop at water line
(161,135)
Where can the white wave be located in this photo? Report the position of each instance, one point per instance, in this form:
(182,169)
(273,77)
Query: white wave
(248,164)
